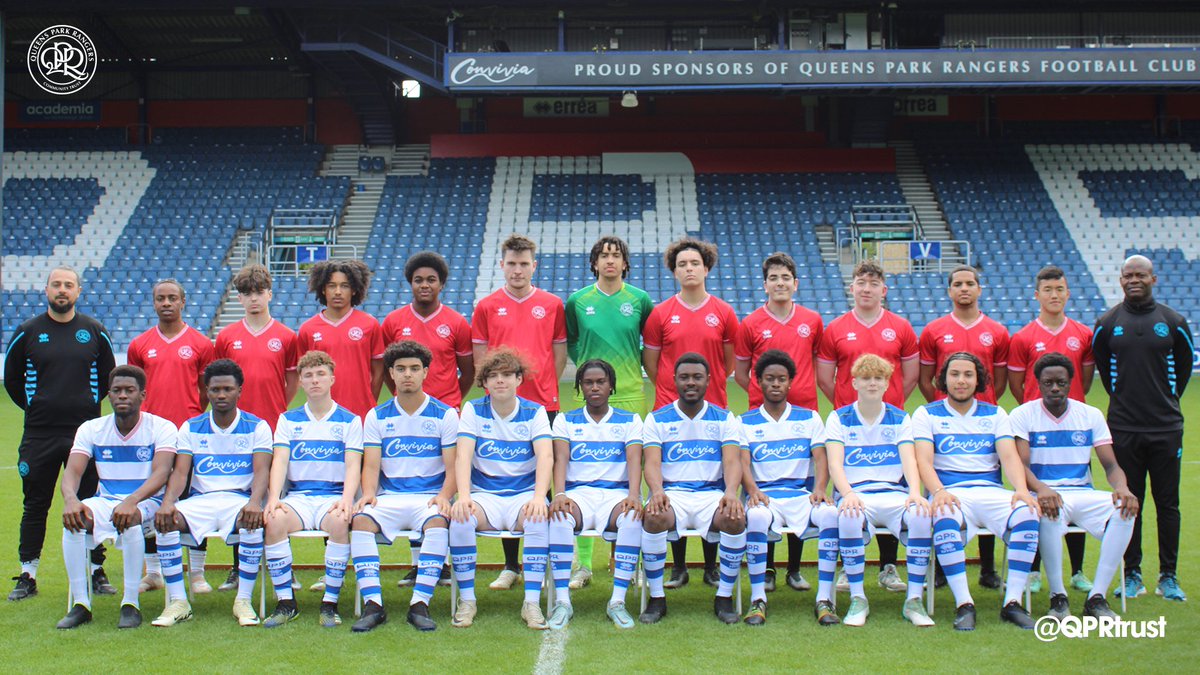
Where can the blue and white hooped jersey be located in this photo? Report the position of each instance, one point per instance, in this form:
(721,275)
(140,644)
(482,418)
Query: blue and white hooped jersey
(781,450)
(1060,449)
(317,448)
(123,462)
(223,459)
(691,447)
(964,446)
(504,462)
(598,448)
(411,446)
(872,449)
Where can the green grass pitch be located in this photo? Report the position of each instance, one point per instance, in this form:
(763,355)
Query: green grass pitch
(689,640)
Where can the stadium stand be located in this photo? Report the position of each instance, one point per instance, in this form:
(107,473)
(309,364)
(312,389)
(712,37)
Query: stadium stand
(172,208)
(202,185)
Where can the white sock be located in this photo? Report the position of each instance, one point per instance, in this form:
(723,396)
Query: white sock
(463,551)
(920,540)
(534,557)
(336,556)
(152,564)
(133,552)
(196,559)
(75,555)
(431,556)
(654,560)
(1112,548)
(852,541)
(948,543)
(625,556)
(1022,547)
(730,551)
(170,556)
(30,567)
(279,566)
(561,537)
(250,553)
(758,521)
(1050,544)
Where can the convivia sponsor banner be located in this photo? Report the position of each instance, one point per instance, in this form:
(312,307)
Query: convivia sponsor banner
(877,68)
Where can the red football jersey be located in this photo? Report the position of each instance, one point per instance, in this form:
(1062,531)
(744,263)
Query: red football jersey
(1072,339)
(799,336)
(173,369)
(447,335)
(352,343)
(846,338)
(675,328)
(265,358)
(531,325)
(986,338)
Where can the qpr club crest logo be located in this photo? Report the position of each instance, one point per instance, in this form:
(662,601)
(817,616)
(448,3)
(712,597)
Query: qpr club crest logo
(274,344)
(61,60)
(185,352)
(443,331)
(428,427)
(797,428)
(337,432)
(1161,330)
(144,453)
(712,429)
(626,309)
(1079,438)
(803,330)
(356,333)
(985,423)
(986,339)
(538,312)
(242,443)
(888,434)
(83,337)
(617,431)
(711,320)
(1073,344)
(521,430)
(888,334)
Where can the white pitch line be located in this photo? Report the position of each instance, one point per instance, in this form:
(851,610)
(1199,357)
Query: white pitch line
(553,655)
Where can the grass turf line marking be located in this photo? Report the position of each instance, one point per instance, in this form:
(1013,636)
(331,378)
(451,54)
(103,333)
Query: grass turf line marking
(553,655)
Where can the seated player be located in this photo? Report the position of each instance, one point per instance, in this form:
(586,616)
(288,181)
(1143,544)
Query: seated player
(502,470)
(597,486)
(408,443)
(134,452)
(784,472)
(227,452)
(962,444)
(1055,437)
(693,467)
(318,459)
(873,467)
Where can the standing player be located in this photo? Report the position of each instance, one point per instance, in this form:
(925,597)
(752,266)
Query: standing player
(597,486)
(868,328)
(133,452)
(227,453)
(784,471)
(174,356)
(445,333)
(532,322)
(693,468)
(605,321)
(1055,437)
(795,329)
(442,330)
(318,460)
(1053,331)
(690,321)
(55,364)
(962,446)
(1144,350)
(968,329)
(265,349)
(350,336)
(873,468)
(503,464)
(408,444)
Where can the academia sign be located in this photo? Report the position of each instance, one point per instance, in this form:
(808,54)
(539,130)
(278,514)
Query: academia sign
(614,71)
(60,111)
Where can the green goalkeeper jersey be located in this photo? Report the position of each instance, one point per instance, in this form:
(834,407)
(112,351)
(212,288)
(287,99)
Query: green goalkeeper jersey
(609,327)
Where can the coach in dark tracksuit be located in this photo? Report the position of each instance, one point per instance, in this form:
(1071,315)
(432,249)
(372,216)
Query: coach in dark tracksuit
(1143,353)
(54,370)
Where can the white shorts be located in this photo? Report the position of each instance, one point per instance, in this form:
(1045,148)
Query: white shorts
(102,509)
(398,513)
(212,513)
(503,513)
(311,509)
(1087,508)
(596,506)
(985,507)
(885,510)
(694,511)
(796,513)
